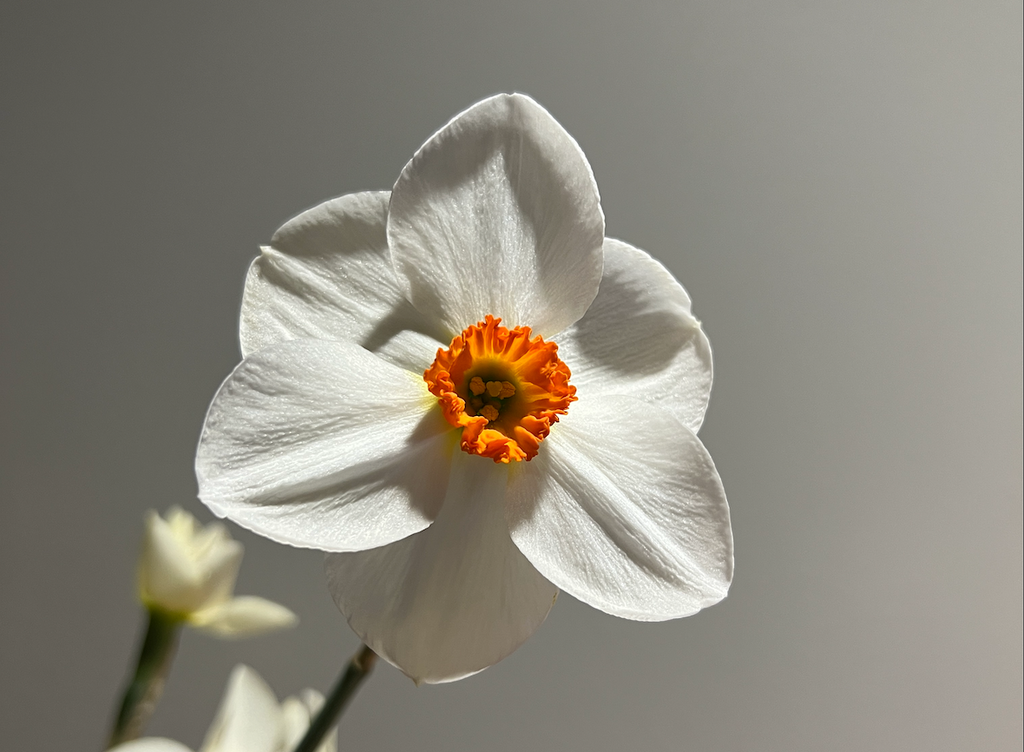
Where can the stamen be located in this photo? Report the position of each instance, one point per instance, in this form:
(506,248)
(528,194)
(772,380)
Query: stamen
(502,387)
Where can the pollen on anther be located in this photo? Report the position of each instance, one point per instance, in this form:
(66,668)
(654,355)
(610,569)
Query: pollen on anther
(476,385)
(499,389)
(490,412)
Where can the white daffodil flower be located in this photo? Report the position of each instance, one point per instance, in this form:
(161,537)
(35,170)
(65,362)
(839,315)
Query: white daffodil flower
(249,720)
(473,398)
(188,572)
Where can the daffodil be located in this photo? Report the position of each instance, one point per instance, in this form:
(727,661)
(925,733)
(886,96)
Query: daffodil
(187,572)
(472,398)
(250,719)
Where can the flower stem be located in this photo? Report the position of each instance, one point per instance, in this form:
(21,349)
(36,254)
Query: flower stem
(358,669)
(144,690)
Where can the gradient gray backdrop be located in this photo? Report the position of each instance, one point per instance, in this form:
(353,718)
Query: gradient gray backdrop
(838,185)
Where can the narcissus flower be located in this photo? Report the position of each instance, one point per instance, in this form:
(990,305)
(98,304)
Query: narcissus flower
(473,398)
(188,572)
(249,720)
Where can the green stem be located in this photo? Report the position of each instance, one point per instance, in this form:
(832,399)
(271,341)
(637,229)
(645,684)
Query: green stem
(358,669)
(145,688)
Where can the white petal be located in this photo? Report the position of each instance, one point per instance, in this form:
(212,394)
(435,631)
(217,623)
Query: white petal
(151,744)
(244,616)
(323,444)
(413,351)
(623,509)
(295,717)
(640,339)
(454,599)
(498,213)
(221,562)
(170,576)
(298,714)
(249,718)
(327,274)
(167,575)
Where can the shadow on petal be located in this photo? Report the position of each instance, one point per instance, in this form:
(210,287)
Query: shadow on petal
(412,471)
(629,336)
(403,316)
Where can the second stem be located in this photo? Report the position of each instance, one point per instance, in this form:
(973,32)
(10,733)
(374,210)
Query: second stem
(359,667)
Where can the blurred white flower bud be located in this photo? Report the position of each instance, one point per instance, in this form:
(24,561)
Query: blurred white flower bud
(188,572)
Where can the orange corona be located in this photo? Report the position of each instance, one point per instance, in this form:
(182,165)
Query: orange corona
(502,388)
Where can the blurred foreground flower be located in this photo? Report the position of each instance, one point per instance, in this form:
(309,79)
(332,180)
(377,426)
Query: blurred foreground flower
(249,720)
(186,575)
(188,572)
(383,332)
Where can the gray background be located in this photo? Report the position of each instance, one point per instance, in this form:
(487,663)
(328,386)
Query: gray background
(838,185)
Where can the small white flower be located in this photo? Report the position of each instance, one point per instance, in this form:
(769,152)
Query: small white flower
(473,398)
(249,720)
(189,572)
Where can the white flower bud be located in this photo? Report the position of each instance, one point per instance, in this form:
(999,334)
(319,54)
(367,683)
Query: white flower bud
(189,571)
